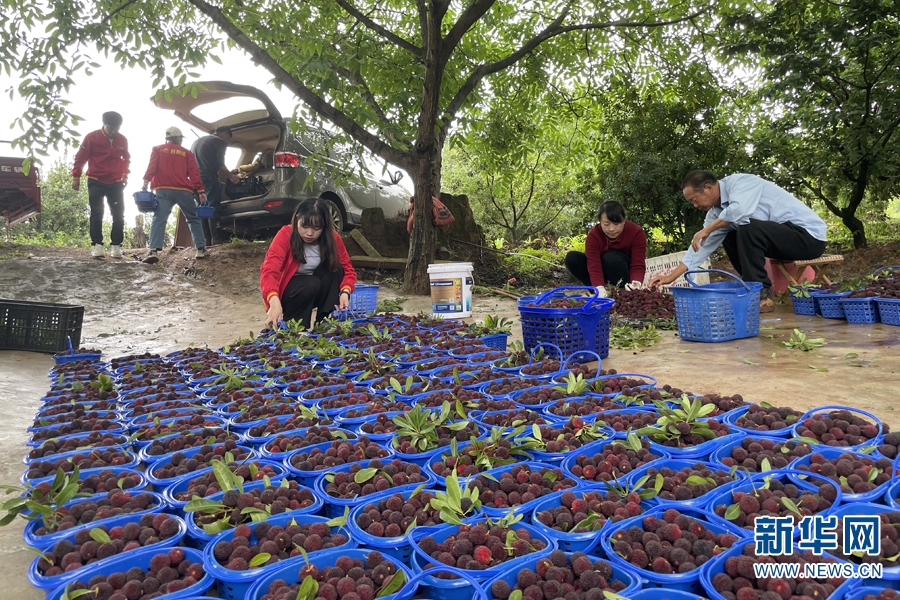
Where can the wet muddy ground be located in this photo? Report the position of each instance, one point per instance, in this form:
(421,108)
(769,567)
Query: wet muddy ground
(131,307)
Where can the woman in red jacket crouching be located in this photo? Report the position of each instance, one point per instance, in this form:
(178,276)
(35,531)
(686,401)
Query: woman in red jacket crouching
(306,267)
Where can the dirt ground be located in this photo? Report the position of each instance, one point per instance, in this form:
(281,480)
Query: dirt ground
(131,307)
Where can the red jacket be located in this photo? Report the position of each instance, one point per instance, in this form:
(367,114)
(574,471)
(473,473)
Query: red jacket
(279,266)
(108,160)
(173,167)
(632,241)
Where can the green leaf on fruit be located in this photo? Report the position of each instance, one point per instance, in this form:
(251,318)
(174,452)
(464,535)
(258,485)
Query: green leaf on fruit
(99,536)
(260,559)
(732,512)
(789,504)
(393,584)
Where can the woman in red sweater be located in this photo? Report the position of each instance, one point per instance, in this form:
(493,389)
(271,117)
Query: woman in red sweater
(306,267)
(615,250)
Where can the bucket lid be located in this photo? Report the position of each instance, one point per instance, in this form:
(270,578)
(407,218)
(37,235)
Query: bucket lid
(450,267)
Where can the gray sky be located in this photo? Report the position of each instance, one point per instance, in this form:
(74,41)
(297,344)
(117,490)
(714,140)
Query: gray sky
(129,92)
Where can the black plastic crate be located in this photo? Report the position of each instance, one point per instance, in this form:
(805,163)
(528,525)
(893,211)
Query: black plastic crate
(39,326)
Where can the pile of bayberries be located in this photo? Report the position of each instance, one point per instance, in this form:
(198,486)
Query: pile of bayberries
(274,453)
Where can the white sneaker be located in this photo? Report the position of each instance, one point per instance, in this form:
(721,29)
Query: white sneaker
(115,251)
(201,253)
(97,251)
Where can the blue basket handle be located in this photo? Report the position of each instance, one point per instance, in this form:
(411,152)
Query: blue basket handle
(69,341)
(557,348)
(880,269)
(811,411)
(453,571)
(581,352)
(573,287)
(691,281)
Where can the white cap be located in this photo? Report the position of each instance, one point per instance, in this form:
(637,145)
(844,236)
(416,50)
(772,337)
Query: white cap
(173,132)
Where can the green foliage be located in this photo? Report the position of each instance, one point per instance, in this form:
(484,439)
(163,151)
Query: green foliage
(646,141)
(64,213)
(831,75)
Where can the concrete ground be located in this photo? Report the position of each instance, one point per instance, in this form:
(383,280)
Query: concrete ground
(130,307)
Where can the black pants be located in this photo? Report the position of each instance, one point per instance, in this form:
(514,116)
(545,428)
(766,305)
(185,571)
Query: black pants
(211,229)
(616,267)
(113,193)
(749,246)
(321,291)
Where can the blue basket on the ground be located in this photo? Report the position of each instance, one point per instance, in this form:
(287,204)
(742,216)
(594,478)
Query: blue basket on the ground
(496,340)
(830,304)
(140,558)
(891,575)
(889,311)
(288,573)
(717,312)
(234,585)
(574,330)
(206,211)
(629,577)
(364,299)
(804,306)
(860,310)
(146,202)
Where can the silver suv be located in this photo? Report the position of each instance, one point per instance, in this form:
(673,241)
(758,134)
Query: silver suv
(267,197)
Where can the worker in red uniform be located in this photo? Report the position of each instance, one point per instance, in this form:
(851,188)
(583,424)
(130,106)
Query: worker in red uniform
(106,153)
(175,178)
(614,252)
(306,267)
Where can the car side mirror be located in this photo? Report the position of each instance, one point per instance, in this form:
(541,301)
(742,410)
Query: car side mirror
(396,176)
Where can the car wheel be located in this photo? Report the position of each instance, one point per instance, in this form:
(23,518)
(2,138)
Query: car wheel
(336,214)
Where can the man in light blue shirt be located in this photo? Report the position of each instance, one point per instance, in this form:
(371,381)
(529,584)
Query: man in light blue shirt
(753,219)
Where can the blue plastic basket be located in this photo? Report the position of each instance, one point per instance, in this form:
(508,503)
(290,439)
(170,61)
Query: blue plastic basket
(45,541)
(831,454)
(568,541)
(206,211)
(597,447)
(496,340)
(182,483)
(197,536)
(860,310)
(572,329)
(804,306)
(141,558)
(50,583)
(677,465)
(725,496)
(234,585)
(688,582)
(889,311)
(733,415)
(717,312)
(308,478)
(626,575)
(455,589)
(399,546)
(717,565)
(891,575)
(829,305)
(872,442)
(364,299)
(289,574)
(146,202)
(334,507)
(851,590)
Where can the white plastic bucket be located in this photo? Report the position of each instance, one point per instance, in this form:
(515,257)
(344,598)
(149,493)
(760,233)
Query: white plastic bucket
(451,289)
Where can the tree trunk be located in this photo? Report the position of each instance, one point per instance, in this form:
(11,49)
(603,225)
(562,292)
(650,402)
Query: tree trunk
(422,239)
(856,227)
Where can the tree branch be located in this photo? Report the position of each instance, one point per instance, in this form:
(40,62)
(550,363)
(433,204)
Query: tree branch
(552,30)
(375,145)
(380,29)
(821,196)
(116,11)
(466,20)
(422,7)
(356,79)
